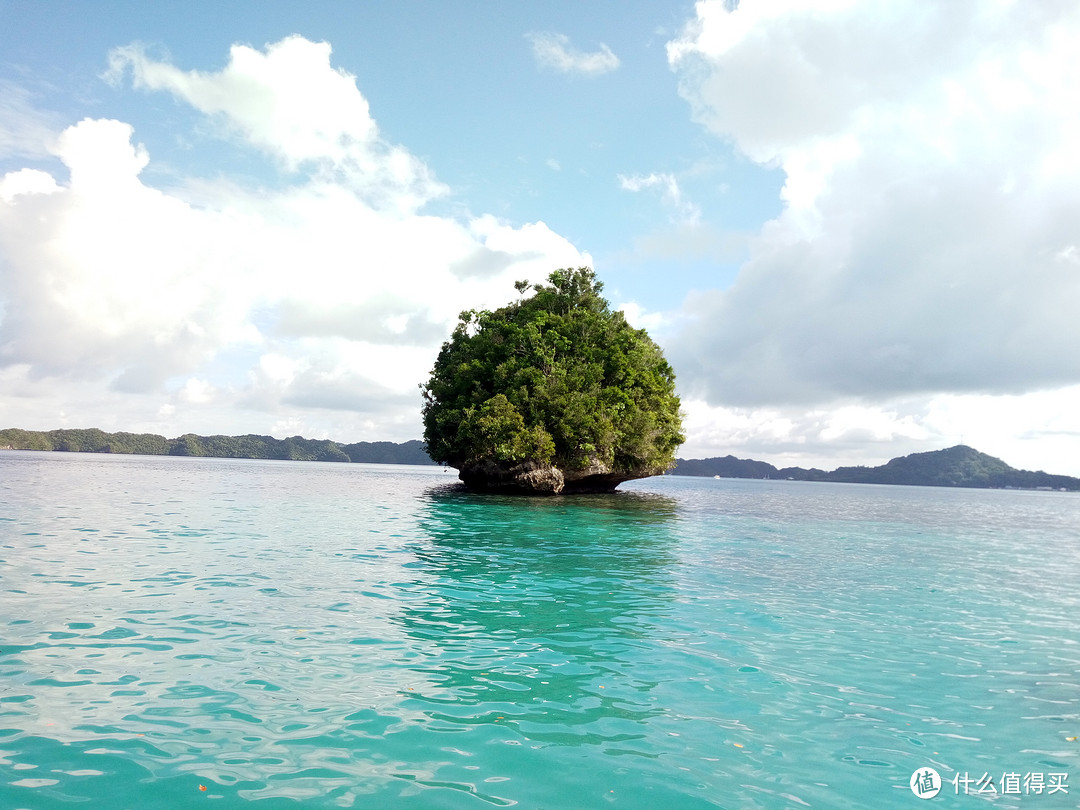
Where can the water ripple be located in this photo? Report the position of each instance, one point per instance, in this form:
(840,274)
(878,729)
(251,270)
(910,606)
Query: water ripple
(339,635)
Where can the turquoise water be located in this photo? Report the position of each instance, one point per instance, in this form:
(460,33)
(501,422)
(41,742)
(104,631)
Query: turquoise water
(182,633)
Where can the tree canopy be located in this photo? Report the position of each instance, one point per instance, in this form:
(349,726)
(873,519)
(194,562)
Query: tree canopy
(556,378)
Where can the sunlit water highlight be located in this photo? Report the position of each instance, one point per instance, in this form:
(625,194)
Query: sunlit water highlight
(180,633)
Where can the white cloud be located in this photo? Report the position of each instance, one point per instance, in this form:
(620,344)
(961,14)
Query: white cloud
(683,211)
(26,181)
(196,391)
(640,317)
(25,131)
(107,276)
(931,200)
(1032,431)
(555,51)
(290,102)
(214,307)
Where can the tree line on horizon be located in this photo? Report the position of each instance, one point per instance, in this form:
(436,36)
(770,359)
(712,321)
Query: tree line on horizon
(959,466)
(293,448)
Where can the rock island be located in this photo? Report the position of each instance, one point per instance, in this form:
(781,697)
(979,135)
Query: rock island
(552,394)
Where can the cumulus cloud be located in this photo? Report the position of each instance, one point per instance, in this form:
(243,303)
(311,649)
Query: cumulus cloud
(555,51)
(290,102)
(641,318)
(26,181)
(319,380)
(932,192)
(104,275)
(216,307)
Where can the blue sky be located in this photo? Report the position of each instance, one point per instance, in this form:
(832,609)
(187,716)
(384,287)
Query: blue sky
(464,92)
(852,226)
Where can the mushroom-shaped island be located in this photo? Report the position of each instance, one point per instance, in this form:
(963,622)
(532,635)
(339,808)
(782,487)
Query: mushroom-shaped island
(552,394)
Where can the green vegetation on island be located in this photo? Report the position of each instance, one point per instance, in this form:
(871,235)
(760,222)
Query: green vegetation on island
(294,448)
(959,466)
(552,393)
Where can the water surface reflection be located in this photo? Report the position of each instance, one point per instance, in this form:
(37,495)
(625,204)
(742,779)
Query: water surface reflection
(536,613)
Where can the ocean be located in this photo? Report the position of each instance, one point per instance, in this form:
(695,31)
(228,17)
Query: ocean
(189,633)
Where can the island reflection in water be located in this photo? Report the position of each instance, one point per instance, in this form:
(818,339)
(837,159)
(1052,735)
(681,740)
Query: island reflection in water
(532,610)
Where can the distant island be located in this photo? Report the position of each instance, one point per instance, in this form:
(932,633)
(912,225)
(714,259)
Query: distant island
(959,466)
(294,448)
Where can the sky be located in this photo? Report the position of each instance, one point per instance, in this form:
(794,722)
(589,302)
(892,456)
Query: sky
(853,227)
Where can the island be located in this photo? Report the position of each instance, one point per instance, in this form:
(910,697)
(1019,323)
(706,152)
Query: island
(552,394)
(959,466)
(293,448)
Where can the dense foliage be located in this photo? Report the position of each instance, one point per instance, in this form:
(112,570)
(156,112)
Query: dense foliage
(556,377)
(84,440)
(295,448)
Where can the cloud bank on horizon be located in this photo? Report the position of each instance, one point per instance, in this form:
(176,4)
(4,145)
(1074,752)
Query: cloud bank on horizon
(329,292)
(929,242)
(928,255)
(918,287)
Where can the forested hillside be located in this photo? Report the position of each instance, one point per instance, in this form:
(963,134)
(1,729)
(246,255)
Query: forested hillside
(959,466)
(294,448)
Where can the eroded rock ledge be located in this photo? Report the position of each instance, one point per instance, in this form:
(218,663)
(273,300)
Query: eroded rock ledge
(533,478)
